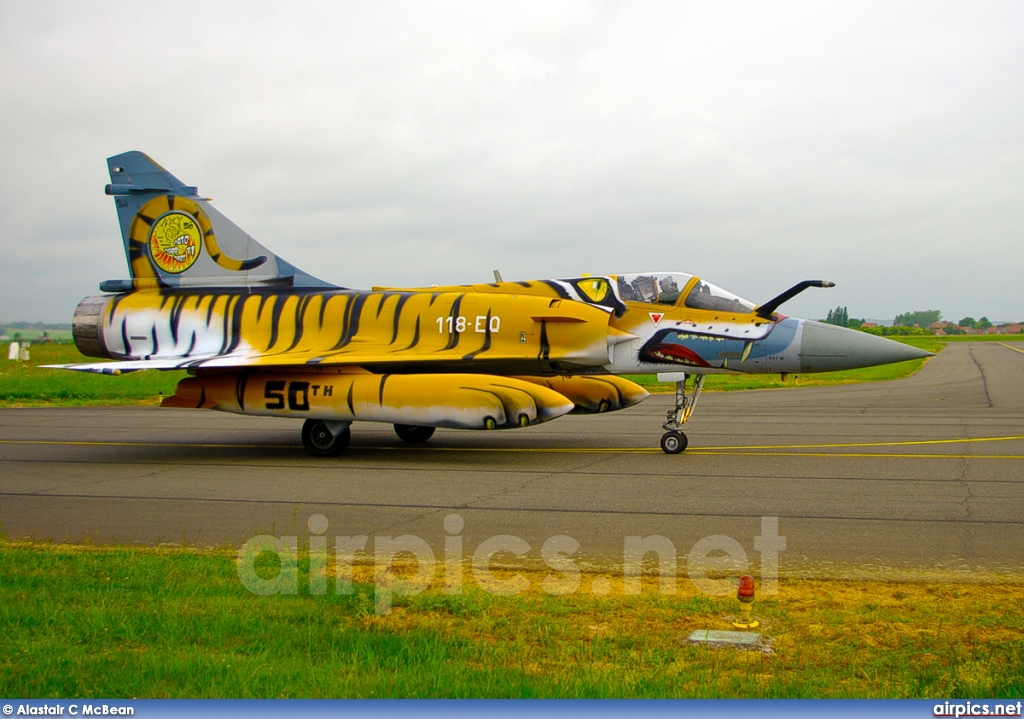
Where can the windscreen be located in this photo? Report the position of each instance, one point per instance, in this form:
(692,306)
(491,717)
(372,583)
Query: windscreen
(705,296)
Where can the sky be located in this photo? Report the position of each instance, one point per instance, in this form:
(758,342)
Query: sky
(879,145)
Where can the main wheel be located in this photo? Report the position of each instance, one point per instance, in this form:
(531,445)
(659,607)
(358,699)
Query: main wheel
(673,442)
(413,432)
(319,441)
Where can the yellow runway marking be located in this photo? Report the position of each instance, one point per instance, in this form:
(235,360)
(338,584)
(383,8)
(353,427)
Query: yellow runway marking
(753,450)
(893,455)
(962,440)
(1015,349)
(97,443)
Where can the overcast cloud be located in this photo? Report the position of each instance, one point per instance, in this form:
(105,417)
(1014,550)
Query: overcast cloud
(879,145)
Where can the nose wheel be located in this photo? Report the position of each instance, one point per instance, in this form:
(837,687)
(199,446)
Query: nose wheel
(674,441)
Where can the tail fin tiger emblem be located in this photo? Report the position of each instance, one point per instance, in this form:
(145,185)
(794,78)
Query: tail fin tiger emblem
(175,242)
(171,231)
(173,237)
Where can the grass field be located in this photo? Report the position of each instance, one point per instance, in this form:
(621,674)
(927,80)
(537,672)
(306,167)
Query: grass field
(26,384)
(34,335)
(131,622)
(973,338)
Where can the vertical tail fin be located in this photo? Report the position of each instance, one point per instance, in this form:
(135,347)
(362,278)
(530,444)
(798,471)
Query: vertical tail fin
(174,238)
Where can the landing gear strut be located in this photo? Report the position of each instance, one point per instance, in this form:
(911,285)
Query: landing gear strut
(674,440)
(324,438)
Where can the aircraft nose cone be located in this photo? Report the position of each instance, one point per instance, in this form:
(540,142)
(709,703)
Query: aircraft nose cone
(826,348)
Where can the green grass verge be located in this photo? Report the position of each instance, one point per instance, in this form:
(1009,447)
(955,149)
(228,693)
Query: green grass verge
(27,384)
(132,622)
(979,338)
(35,335)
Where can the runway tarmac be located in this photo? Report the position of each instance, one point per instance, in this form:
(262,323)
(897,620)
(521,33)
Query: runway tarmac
(921,477)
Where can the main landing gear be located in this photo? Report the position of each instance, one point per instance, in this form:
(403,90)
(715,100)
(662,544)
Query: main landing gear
(674,440)
(325,438)
(413,432)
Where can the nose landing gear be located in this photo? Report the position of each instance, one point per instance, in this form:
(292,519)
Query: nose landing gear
(674,440)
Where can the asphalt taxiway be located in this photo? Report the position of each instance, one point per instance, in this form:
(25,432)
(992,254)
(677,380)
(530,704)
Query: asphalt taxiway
(918,477)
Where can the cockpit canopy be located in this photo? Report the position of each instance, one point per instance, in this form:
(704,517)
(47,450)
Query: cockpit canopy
(664,288)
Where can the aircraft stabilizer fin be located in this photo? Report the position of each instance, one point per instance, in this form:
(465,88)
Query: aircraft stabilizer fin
(175,238)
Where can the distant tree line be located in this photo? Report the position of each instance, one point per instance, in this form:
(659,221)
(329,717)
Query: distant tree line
(982,324)
(896,331)
(918,322)
(839,316)
(926,318)
(35,325)
(921,318)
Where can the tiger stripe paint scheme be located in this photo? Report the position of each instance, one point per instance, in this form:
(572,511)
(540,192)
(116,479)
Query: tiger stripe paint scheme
(457,401)
(436,329)
(259,336)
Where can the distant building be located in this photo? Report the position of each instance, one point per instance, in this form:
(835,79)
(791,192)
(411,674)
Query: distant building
(869,325)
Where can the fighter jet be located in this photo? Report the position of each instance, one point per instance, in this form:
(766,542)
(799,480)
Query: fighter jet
(259,336)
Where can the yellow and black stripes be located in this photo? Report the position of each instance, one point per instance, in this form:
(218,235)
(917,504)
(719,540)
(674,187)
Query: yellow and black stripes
(140,252)
(594,394)
(346,327)
(462,401)
(228,263)
(487,339)
(454,333)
